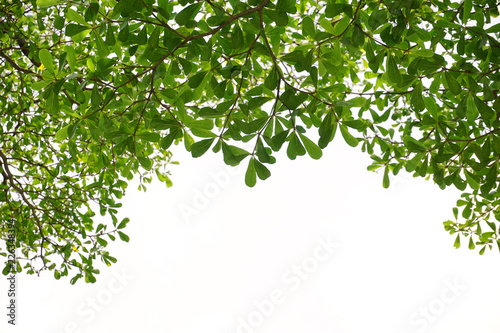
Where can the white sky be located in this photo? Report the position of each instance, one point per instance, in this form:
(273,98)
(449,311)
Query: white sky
(233,267)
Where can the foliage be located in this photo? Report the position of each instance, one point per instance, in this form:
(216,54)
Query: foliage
(95,92)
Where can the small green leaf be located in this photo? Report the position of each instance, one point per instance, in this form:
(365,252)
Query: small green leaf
(393,71)
(201,147)
(71,57)
(349,139)
(262,171)
(39,85)
(6,269)
(308,27)
(62,134)
(271,82)
(467,8)
(47,61)
(122,225)
(485,111)
(47,3)
(386,182)
(196,79)
(124,33)
(312,149)
(123,237)
(340,26)
(453,84)
(251,174)
(145,162)
(188,13)
(457,242)
(71,15)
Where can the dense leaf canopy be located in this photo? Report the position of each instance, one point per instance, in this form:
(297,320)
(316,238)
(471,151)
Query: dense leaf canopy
(93,93)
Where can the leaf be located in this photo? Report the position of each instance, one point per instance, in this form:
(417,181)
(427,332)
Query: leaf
(146,163)
(262,171)
(308,27)
(62,134)
(473,183)
(349,139)
(457,242)
(392,70)
(47,3)
(71,57)
(386,182)
(271,82)
(257,102)
(453,85)
(417,100)
(196,79)
(39,85)
(485,111)
(340,26)
(47,61)
(71,15)
(467,8)
(76,31)
(312,149)
(201,147)
(358,37)
(124,33)
(102,48)
(251,174)
(187,14)
(6,269)
(123,237)
(337,54)
(414,145)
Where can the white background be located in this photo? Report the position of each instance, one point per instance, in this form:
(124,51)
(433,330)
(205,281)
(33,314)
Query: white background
(209,273)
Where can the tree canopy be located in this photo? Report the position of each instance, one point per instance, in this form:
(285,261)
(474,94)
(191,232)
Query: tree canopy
(95,92)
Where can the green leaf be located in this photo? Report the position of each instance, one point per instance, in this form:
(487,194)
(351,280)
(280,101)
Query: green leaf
(40,85)
(473,183)
(201,147)
(123,237)
(308,27)
(188,13)
(110,36)
(47,3)
(414,145)
(453,84)
(349,139)
(386,182)
(358,37)
(251,174)
(271,82)
(457,242)
(62,134)
(102,48)
(340,26)
(73,16)
(47,61)
(312,149)
(196,79)
(467,8)
(472,246)
(124,33)
(417,100)
(392,70)
(71,57)
(257,102)
(262,171)
(485,111)
(145,162)
(6,269)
